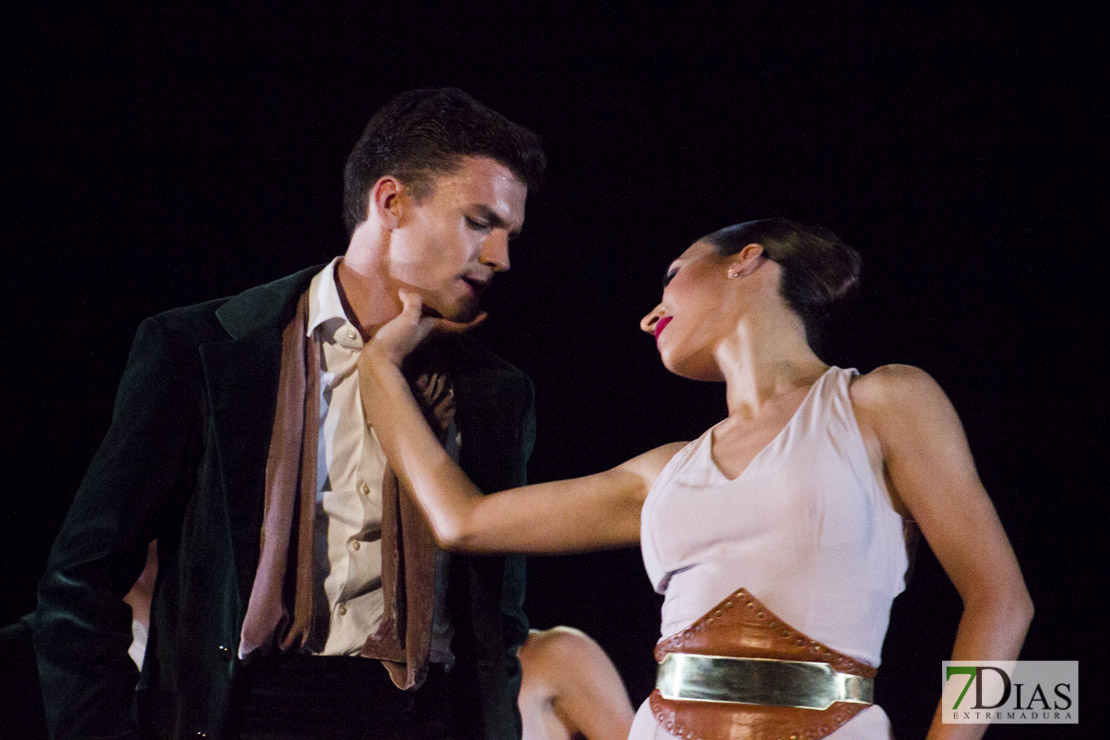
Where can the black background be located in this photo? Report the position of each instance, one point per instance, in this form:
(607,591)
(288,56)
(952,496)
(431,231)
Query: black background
(158,155)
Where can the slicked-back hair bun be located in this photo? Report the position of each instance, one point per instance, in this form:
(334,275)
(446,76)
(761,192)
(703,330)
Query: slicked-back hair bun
(819,271)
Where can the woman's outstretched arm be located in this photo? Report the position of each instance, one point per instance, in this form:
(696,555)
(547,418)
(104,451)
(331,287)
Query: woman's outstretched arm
(590,513)
(928,461)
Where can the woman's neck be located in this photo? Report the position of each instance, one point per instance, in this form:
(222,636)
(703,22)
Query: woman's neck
(763,360)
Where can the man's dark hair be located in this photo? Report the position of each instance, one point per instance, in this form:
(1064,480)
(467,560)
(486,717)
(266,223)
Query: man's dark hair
(819,271)
(420,135)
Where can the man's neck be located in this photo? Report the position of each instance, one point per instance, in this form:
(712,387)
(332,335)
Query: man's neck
(365,296)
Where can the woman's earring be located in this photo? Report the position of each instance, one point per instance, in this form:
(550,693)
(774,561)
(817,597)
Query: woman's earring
(733,274)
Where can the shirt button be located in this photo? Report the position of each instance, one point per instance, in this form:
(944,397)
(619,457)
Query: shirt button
(342,610)
(364,489)
(351,333)
(355,545)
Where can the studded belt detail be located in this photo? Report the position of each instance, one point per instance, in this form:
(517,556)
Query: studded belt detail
(740,671)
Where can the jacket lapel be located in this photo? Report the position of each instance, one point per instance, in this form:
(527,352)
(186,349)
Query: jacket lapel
(241,375)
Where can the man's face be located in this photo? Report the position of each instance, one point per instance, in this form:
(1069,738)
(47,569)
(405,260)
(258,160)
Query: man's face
(448,246)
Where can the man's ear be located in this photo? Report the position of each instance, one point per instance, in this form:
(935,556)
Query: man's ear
(387,201)
(746,261)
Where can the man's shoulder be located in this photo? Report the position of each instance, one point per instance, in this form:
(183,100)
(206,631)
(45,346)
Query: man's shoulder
(217,319)
(191,318)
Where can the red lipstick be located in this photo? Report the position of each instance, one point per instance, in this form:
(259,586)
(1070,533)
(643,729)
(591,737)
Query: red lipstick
(661,325)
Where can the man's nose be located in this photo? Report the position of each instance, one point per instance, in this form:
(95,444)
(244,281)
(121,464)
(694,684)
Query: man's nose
(495,252)
(648,322)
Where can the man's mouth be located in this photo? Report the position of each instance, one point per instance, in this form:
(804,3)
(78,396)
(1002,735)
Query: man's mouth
(661,325)
(477,285)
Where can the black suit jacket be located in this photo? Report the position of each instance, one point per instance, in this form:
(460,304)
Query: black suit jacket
(184,463)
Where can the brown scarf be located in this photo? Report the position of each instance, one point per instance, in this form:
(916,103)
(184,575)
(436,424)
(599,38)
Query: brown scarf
(403,640)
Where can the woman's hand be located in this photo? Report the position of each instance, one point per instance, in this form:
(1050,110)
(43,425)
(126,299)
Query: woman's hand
(397,338)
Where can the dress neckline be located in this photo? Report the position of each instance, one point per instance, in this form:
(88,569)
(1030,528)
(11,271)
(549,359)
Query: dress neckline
(771,442)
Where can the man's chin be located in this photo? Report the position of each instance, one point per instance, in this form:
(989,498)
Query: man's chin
(462,313)
(464,317)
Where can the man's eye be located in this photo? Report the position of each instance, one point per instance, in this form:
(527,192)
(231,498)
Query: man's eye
(475,224)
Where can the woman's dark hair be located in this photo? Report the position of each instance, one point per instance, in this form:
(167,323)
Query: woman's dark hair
(819,271)
(420,135)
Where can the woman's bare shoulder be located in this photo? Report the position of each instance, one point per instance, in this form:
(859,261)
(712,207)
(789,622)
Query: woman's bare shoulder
(649,464)
(892,386)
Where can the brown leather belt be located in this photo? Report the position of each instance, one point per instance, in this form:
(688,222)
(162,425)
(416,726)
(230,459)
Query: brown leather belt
(740,671)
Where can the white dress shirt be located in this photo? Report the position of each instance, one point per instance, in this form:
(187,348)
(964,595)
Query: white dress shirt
(347,557)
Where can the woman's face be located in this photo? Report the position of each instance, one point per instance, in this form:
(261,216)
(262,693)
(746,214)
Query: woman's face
(695,314)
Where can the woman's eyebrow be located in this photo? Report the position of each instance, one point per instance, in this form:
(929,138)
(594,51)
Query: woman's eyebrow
(669,273)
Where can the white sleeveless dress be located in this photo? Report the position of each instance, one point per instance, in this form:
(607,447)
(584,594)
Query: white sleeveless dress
(806,528)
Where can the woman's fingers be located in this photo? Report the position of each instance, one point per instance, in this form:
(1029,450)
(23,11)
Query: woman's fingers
(410,301)
(430,325)
(403,334)
(446,326)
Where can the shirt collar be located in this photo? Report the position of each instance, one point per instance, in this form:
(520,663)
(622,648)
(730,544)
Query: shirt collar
(323,298)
